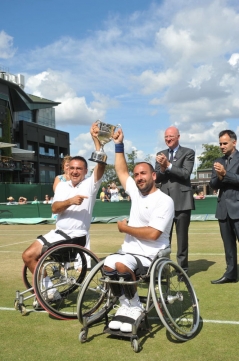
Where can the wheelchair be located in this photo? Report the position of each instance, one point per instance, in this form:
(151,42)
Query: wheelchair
(165,287)
(67,265)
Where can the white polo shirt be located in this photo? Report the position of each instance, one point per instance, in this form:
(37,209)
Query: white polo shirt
(155,210)
(75,220)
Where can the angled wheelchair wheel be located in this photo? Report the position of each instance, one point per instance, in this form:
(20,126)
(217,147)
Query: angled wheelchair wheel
(58,277)
(94,298)
(174,299)
(27,277)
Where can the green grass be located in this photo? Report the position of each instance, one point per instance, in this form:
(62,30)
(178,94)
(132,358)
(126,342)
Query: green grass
(41,337)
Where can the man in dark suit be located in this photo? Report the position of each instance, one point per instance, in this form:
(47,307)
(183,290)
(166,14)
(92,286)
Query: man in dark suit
(225,177)
(174,167)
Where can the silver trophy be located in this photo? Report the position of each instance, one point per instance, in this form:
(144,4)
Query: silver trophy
(105,134)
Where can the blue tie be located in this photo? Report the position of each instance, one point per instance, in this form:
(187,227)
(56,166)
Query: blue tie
(171,156)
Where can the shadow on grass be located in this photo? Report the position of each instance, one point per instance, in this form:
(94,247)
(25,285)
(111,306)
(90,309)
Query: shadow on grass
(199,265)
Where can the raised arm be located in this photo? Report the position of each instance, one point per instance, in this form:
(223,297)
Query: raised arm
(99,168)
(121,167)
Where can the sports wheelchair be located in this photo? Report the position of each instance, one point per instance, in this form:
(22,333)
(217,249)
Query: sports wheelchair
(165,286)
(58,262)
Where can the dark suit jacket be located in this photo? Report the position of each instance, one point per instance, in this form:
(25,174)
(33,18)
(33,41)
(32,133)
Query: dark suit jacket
(228,197)
(176,182)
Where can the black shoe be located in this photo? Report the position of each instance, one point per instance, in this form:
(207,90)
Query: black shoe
(222,280)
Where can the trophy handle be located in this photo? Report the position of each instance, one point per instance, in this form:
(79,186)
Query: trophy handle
(114,128)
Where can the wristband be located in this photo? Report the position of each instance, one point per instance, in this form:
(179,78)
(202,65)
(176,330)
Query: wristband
(119,148)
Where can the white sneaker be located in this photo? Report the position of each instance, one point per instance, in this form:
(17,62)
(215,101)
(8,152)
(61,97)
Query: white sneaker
(53,296)
(134,313)
(122,311)
(36,305)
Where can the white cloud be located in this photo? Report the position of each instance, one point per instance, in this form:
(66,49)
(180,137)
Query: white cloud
(152,82)
(201,75)
(234,59)
(73,109)
(178,60)
(6,46)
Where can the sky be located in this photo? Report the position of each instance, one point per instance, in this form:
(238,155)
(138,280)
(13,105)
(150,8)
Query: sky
(145,65)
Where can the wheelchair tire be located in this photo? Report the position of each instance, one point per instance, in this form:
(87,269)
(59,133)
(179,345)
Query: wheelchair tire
(94,300)
(174,299)
(27,277)
(58,263)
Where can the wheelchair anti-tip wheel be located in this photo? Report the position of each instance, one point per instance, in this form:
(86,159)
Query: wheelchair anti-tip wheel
(174,299)
(93,301)
(66,267)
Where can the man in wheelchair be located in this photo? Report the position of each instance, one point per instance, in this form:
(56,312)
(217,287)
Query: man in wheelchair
(147,232)
(73,203)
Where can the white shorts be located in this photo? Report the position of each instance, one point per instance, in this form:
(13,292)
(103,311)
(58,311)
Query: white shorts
(127,259)
(52,237)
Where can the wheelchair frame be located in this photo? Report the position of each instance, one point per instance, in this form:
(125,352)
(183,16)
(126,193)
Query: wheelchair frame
(170,292)
(58,263)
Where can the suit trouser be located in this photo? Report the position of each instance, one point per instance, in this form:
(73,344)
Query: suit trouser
(229,229)
(182,222)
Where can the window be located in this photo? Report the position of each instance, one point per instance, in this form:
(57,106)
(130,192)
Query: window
(50,139)
(30,147)
(46,117)
(51,152)
(47,173)
(204,175)
(27,115)
(42,150)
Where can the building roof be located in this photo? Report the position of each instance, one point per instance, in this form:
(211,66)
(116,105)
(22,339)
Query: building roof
(24,101)
(37,99)
(6,145)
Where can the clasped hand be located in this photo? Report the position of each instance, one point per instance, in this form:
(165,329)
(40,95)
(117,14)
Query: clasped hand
(122,225)
(162,160)
(220,170)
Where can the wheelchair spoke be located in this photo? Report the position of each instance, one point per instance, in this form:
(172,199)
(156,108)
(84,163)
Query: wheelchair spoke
(66,267)
(175,300)
(93,297)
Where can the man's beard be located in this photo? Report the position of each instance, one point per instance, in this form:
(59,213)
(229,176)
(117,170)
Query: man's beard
(146,188)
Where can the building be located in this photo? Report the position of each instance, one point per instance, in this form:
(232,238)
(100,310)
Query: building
(201,182)
(31,149)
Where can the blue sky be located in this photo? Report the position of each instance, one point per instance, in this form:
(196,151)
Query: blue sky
(144,64)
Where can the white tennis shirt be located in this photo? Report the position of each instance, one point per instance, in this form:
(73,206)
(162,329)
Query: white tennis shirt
(75,220)
(155,210)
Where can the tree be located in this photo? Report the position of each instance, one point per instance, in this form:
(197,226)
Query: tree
(148,158)
(110,175)
(208,156)
(131,161)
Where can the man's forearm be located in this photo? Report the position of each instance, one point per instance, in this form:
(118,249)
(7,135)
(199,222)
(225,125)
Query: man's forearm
(143,233)
(60,206)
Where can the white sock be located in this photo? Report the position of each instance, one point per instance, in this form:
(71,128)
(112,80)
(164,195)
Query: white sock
(48,284)
(124,301)
(135,301)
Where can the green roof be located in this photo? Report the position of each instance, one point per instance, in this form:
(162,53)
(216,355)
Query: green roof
(37,99)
